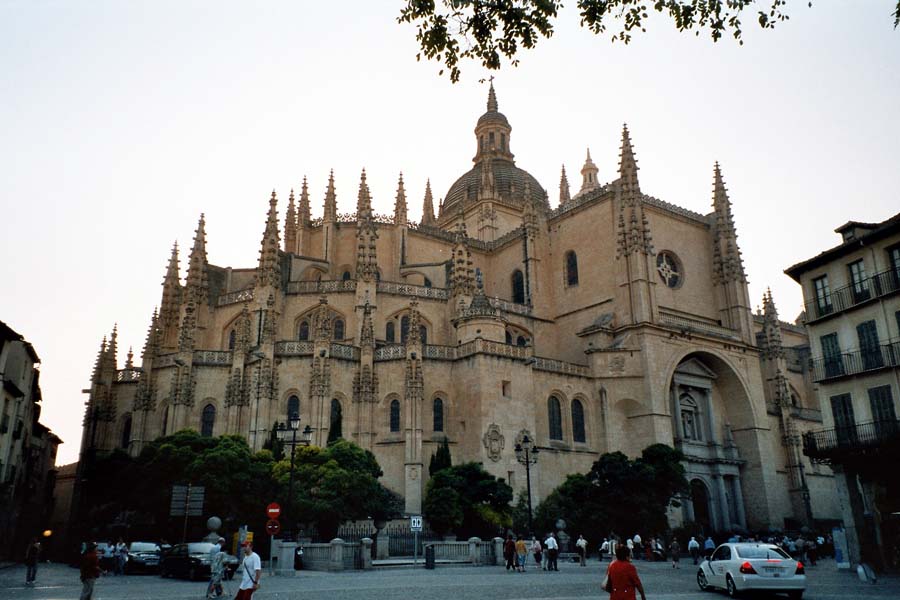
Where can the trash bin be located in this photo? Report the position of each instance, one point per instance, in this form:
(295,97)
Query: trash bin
(429,557)
(298,558)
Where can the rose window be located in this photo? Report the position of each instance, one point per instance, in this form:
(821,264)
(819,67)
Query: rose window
(669,268)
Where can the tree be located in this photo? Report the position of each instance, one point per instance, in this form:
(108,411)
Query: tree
(488,32)
(618,494)
(275,445)
(482,500)
(440,459)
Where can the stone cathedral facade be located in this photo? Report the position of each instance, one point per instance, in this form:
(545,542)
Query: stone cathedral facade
(611,321)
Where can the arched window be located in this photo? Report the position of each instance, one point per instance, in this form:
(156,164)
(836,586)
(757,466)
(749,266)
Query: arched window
(404,329)
(438,410)
(690,418)
(509,338)
(126,432)
(338,329)
(293,407)
(521,341)
(423,334)
(232,339)
(165,421)
(554,413)
(578,421)
(207,420)
(571,268)
(335,431)
(518,287)
(389,332)
(395,415)
(428,282)
(303,331)
(345,276)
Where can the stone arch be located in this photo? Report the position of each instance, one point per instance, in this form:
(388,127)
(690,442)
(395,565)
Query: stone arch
(345,272)
(397,318)
(289,404)
(518,336)
(308,316)
(415,278)
(229,333)
(313,273)
(700,509)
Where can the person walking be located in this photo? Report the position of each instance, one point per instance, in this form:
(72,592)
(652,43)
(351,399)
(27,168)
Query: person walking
(675,551)
(537,551)
(90,571)
(708,546)
(251,571)
(509,552)
(552,552)
(622,577)
(120,556)
(521,554)
(694,549)
(637,545)
(604,549)
(216,569)
(581,546)
(32,555)
(629,543)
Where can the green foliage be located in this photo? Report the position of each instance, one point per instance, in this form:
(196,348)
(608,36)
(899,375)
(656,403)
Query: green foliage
(468,500)
(489,32)
(273,444)
(440,459)
(520,515)
(618,494)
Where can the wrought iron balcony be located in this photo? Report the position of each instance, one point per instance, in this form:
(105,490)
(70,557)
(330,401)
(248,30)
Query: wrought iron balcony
(844,298)
(854,362)
(832,444)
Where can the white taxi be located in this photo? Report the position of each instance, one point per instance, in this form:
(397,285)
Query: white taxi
(742,567)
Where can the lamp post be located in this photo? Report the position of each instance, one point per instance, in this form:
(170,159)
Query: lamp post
(282,431)
(527,454)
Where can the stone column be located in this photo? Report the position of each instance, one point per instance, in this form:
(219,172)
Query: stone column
(739,502)
(710,417)
(473,550)
(498,552)
(676,408)
(336,563)
(365,546)
(725,524)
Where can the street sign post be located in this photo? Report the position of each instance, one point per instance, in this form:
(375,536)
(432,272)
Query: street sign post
(273,527)
(187,501)
(415,525)
(273,511)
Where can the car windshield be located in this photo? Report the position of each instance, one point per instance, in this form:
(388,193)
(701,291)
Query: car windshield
(143,547)
(761,552)
(200,548)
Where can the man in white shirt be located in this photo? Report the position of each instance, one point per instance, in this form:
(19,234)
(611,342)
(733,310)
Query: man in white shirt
(552,552)
(251,571)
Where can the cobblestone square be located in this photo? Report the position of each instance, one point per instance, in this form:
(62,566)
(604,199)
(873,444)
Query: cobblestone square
(59,582)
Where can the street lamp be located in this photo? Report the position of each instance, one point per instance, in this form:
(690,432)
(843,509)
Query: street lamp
(282,431)
(527,454)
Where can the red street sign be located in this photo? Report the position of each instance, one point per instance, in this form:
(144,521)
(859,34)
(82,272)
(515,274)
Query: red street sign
(273,527)
(273,511)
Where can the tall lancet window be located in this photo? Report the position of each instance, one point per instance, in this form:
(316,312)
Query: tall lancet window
(395,416)
(208,420)
(690,418)
(518,287)
(554,415)
(571,268)
(303,331)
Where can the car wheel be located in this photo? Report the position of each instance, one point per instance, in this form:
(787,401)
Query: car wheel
(795,595)
(702,581)
(730,587)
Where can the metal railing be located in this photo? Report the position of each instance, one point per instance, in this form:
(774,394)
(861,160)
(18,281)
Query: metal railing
(843,298)
(862,436)
(853,362)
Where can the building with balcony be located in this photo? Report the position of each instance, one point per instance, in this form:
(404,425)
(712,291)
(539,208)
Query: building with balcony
(852,312)
(608,322)
(27,448)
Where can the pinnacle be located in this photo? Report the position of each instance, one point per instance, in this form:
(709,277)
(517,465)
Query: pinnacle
(492,99)
(627,161)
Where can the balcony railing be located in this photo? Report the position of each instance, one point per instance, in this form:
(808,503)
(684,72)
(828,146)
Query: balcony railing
(854,362)
(841,299)
(831,443)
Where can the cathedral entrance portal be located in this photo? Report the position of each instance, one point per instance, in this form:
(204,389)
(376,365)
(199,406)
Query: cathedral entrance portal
(700,505)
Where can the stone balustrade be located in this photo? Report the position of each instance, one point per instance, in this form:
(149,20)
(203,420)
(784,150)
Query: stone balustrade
(696,325)
(390,352)
(408,289)
(329,286)
(562,367)
(214,358)
(236,297)
(292,348)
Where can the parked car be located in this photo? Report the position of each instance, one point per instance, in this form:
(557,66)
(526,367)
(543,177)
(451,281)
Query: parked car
(193,561)
(740,567)
(143,557)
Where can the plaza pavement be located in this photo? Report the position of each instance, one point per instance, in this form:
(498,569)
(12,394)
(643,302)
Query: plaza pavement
(59,582)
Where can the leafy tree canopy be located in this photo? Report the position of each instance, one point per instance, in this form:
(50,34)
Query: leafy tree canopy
(488,32)
(440,459)
(468,500)
(617,494)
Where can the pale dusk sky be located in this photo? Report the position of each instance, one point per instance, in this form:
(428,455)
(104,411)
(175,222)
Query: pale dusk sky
(120,122)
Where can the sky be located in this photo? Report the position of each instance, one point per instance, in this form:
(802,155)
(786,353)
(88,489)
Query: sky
(121,122)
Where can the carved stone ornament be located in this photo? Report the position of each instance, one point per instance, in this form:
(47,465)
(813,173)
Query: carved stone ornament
(494,442)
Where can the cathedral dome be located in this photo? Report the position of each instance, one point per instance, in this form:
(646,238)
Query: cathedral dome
(509,182)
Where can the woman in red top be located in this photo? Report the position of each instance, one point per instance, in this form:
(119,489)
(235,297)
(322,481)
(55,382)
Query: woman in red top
(623,577)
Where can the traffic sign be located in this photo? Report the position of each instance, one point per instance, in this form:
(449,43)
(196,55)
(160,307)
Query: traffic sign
(415,523)
(273,511)
(273,527)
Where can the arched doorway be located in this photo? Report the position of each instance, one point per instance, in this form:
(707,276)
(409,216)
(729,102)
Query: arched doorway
(700,505)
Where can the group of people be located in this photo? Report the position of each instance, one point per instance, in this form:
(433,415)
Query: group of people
(546,554)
